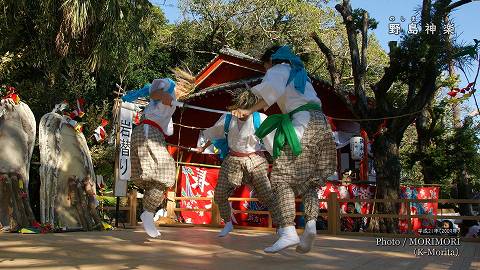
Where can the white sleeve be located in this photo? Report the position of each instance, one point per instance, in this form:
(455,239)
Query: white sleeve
(273,85)
(162,84)
(216,131)
(268,140)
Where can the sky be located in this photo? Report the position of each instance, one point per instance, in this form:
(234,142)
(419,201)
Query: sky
(465,20)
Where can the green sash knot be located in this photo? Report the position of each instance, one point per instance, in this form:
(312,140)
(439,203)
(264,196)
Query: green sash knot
(285,132)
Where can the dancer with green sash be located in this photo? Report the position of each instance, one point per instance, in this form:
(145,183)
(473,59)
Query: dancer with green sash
(303,149)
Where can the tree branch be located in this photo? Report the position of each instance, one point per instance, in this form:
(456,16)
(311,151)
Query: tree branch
(411,90)
(345,10)
(332,68)
(335,76)
(390,75)
(364,42)
(426,8)
(456,5)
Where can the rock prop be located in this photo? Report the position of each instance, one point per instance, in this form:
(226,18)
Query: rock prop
(67,192)
(17,140)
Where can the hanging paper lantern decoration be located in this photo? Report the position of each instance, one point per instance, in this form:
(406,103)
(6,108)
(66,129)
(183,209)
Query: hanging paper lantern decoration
(356,148)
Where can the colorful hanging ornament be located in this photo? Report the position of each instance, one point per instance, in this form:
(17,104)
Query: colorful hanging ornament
(77,126)
(452,94)
(78,112)
(100,133)
(137,118)
(8,92)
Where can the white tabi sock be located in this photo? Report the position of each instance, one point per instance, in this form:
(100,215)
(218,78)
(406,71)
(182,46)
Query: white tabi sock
(288,238)
(149,224)
(226,229)
(308,237)
(278,232)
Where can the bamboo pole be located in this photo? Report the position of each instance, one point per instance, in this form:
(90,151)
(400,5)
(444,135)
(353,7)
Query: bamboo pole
(116,113)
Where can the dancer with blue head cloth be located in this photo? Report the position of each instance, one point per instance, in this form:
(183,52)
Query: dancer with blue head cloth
(153,169)
(303,149)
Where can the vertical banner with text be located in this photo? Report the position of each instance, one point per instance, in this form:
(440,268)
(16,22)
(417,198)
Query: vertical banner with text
(126,126)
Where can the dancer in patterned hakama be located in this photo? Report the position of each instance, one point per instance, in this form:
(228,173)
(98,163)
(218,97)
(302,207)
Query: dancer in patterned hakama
(244,161)
(303,150)
(153,169)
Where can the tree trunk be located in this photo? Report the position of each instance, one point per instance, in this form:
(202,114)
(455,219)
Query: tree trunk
(464,191)
(424,140)
(387,166)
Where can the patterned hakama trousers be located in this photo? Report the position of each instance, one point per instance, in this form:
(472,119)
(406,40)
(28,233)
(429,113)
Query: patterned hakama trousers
(153,169)
(235,171)
(302,175)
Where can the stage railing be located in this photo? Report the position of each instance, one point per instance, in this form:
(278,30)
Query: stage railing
(131,208)
(333,215)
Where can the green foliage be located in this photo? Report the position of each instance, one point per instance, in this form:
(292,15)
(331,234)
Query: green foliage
(462,151)
(63,50)
(451,149)
(358,14)
(107,201)
(253,26)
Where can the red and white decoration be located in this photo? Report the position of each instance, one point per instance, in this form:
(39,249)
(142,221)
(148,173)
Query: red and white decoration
(78,112)
(427,208)
(100,133)
(197,182)
(351,191)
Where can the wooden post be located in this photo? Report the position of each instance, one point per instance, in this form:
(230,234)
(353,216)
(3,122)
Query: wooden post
(132,203)
(270,223)
(116,126)
(215,215)
(171,204)
(333,214)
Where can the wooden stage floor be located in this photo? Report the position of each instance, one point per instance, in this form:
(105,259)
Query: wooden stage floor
(199,248)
